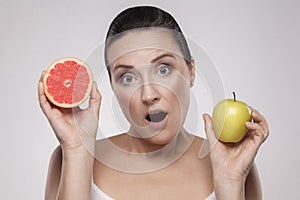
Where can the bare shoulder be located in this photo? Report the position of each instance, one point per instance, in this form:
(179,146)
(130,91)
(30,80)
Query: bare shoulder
(54,173)
(106,144)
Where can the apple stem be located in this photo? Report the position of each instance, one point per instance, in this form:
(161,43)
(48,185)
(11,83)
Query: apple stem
(234,96)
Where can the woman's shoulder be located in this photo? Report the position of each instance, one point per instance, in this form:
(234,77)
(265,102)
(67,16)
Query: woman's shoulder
(111,141)
(113,138)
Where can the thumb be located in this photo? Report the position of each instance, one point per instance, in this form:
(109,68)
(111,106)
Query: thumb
(95,99)
(209,130)
(208,144)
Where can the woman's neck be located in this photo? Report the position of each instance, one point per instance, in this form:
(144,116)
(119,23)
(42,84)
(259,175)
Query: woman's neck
(147,146)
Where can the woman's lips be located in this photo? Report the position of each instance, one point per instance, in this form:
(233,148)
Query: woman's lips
(157,119)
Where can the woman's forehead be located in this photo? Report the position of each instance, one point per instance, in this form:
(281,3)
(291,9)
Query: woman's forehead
(143,41)
(144,57)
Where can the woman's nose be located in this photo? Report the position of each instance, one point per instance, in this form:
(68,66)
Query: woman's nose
(150,94)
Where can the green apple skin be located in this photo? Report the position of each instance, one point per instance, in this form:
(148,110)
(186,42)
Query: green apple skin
(229,118)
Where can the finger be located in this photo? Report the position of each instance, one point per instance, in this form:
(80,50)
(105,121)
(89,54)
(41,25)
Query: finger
(259,135)
(44,103)
(42,76)
(260,119)
(95,99)
(257,117)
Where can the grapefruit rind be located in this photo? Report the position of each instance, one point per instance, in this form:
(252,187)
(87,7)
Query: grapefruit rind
(47,74)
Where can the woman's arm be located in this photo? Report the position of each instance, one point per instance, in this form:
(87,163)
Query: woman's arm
(234,173)
(54,173)
(71,165)
(251,190)
(253,186)
(76,175)
(69,177)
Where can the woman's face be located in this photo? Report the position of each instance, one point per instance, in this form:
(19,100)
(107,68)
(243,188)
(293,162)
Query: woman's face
(151,81)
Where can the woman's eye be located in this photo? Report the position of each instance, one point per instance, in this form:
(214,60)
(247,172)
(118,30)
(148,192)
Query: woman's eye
(127,79)
(163,70)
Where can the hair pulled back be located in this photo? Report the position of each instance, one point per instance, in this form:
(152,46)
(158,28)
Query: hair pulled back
(145,17)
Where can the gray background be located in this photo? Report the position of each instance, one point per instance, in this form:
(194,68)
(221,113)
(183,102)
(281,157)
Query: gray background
(254,44)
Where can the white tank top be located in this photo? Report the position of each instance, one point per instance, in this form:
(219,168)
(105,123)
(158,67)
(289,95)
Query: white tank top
(97,194)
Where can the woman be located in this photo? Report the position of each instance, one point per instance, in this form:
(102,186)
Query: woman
(151,72)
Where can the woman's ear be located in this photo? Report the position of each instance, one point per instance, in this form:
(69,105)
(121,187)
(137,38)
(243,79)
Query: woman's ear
(192,72)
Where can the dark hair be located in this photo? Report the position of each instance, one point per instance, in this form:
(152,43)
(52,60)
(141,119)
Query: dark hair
(143,17)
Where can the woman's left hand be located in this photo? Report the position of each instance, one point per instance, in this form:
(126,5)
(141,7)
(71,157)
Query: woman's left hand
(233,162)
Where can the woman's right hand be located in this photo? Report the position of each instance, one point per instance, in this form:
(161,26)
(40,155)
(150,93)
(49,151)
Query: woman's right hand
(75,128)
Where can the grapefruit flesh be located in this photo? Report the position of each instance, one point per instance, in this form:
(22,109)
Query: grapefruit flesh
(68,82)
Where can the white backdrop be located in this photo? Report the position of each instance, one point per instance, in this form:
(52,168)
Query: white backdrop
(254,44)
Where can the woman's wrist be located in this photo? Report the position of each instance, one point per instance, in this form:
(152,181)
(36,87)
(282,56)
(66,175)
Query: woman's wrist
(79,160)
(78,151)
(77,170)
(227,188)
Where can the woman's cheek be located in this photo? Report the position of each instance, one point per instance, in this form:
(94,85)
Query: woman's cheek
(124,102)
(181,91)
(180,87)
(136,111)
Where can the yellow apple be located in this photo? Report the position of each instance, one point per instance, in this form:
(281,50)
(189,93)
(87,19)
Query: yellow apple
(229,118)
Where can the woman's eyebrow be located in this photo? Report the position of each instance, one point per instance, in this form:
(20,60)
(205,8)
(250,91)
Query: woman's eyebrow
(122,66)
(152,61)
(162,56)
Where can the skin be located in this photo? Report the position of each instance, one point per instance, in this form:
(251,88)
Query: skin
(229,169)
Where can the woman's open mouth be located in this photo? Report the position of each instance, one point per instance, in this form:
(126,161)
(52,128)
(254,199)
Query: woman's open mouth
(156,119)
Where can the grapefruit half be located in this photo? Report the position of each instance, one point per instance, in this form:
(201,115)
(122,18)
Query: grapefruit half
(68,82)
